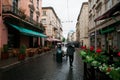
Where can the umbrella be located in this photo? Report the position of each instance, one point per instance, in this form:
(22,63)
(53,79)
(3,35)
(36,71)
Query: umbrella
(75,43)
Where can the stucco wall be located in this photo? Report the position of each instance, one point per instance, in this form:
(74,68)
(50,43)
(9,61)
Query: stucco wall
(7,2)
(4,34)
(24,5)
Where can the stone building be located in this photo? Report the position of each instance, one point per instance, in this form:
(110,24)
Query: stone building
(77,32)
(104,18)
(53,26)
(82,24)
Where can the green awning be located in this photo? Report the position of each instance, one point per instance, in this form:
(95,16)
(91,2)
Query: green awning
(107,30)
(27,31)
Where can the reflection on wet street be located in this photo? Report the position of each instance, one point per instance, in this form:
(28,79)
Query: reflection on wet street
(45,67)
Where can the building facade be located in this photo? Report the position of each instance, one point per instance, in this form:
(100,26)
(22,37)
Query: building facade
(82,24)
(69,37)
(73,36)
(20,23)
(104,23)
(77,32)
(53,26)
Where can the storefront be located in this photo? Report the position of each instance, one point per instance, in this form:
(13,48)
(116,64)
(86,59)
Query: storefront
(18,35)
(92,39)
(118,36)
(109,36)
(52,42)
(98,39)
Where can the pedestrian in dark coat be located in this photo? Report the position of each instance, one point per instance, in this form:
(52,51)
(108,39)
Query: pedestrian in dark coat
(70,52)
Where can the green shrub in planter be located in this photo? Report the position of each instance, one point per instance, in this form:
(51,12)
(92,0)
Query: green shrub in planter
(22,52)
(22,49)
(4,54)
(5,48)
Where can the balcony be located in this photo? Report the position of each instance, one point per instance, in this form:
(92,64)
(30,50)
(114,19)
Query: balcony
(18,13)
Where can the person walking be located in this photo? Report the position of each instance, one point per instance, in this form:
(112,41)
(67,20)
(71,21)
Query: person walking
(70,53)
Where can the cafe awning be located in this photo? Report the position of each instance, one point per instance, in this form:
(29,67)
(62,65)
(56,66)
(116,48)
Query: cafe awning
(110,13)
(53,40)
(27,31)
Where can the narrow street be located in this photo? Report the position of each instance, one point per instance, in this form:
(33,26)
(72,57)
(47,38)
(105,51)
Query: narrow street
(31,32)
(45,67)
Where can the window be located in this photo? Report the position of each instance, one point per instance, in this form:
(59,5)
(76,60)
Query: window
(37,18)
(31,14)
(97,1)
(31,1)
(37,4)
(44,21)
(90,3)
(113,2)
(44,13)
(108,4)
(15,5)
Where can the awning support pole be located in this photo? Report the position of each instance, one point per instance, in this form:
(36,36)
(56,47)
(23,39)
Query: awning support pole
(95,38)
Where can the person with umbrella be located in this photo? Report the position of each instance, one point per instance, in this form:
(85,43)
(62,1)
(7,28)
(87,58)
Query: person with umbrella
(70,52)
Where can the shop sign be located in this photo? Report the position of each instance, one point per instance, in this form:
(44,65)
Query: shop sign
(107,30)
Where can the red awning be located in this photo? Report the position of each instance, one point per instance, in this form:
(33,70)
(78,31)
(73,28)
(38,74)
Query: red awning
(53,39)
(109,13)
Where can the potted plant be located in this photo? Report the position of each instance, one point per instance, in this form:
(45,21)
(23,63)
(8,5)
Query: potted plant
(31,52)
(22,52)
(4,54)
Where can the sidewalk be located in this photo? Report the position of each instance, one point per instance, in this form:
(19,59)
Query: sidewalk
(12,61)
(8,62)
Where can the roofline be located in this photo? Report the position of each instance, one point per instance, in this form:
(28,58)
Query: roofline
(52,10)
(84,3)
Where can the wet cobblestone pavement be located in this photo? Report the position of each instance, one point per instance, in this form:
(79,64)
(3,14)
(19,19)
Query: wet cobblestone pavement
(45,67)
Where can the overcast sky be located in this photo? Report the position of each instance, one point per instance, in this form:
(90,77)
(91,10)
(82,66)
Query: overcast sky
(67,11)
